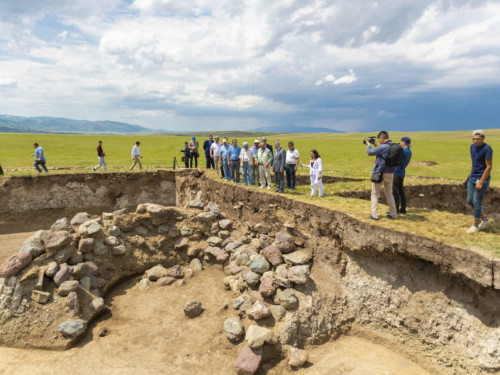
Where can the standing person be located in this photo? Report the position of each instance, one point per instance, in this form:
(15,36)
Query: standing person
(265,160)
(291,164)
(255,166)
(224,153)
(246,162)
(206,147)
(382,174)
(479,179)
(233,157)
(279,167)
(1,171)
(215,154)
(398,189)
(316,173)
(269,147)
(193,152)
(39,155)
(136,156)
(100,157)
(186,152)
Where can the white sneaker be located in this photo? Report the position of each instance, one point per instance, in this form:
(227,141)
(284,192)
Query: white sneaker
(268,187)
(484,224)
(261,186)
(473,229)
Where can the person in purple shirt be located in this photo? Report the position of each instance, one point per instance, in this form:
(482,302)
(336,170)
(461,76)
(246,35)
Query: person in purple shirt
(479,179)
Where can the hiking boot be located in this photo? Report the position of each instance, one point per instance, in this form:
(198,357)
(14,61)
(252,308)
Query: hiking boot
(485,223)
(473,229)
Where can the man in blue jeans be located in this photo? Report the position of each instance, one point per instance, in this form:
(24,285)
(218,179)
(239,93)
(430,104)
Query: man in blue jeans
(479,179)
(39,158)
(224,152)
(233,158)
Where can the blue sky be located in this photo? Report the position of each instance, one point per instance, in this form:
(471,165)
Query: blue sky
(205,64)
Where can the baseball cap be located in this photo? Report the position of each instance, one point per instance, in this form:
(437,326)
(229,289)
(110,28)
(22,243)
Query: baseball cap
(478,132)
(406,140)
(256,141)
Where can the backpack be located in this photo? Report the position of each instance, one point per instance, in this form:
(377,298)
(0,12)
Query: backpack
(395,156)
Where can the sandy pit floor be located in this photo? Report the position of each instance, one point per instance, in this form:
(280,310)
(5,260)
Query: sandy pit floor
(11,243)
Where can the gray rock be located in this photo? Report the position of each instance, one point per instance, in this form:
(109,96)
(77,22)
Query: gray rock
(63,255)
(278,312)
(212,207)
(63,274)
(79,219)
(61,224)
(112,241)
(192,309)
(298,257)
(286,298)
(258,264)
(243,302)
(72,303)
(144,284)
(186,231)
(214,241)
(299,274)
(174,232)
(284,242)
(262,228)
(217,253)
(163,281)
(115,231)
(119,250)
(90,228)
(196,265)
(297,357)
(79,270)
(225,224)
(257,336)
(52,269)
(57,240)
(14,264)
(264,241)
(252,278)
(196,203)
(85,283)
(224,234)
(206,217)
(156,210)
(66,287)
(86,245)
(181,244)
(141,231)
(156,272)
(163,229)
(232,246)
(258,311)
(241,259)
(227,241)
(76,257)
(73,328)
(32,245)
(97,305)
(233,329)
(100,249)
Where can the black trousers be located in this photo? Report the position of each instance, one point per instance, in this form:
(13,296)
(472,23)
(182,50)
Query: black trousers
(398,190)
(195,156)
(210,162)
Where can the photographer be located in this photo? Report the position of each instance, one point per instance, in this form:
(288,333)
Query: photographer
(381,174)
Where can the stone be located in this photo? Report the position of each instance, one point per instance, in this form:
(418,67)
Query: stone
(119,212)
(97,305)
(186,231)
(224,234)
(225,224)
(214,241)
(243,302)
(61,224)
(66,287)
(272,254)
(192,309)
(196,265)
(174,232)
(181,244)
(282,271)
(214,229)
(217,253)
(157,211)
(57,240)
(52,269)
(298,257)
(156,272)
(73,328)
(248,360)
(140,209)
(227,241)
(264,241)
(40,280)
(252,278)
(144,284)
(206,217)
(32,245)
(141,231)
(257,336)
(119,250)
(163,281)
(286,298)
(258,264)
(196,203)
(92,267)
(246,240)
(258,311)
(297,357)
(14,264)
(40,297)
(112,241)
(72,303)
(299,274)
(212,207)
(100,249)
(175,271)
(233,329)
(262,228)
(86,245)
(180,282)
(79,270)
(85,283)
(241,259)
(76,257)
(79,219)
(284,242)
(278,312)
(63,274)
(267,287)
(89,228)
(163,229)
(137,241)
(232,246)
(115,231)
(63,255)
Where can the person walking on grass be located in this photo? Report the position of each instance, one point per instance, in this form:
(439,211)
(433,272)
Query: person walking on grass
(206,147)
(136,156)
(479,179)
(279,167)
(291,164)
(233,156)
(382,174)
(265,160)
(100,157)
(214,154)
(193,152)
(246,163)
(398,189)
(39,155)
(315,173)
(223,156)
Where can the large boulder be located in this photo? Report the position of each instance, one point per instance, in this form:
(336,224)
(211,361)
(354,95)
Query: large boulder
(32,245)
(14,264)
(89,228)
(61,224)
(284,242)
(57,240)
(79,219)
(272,254)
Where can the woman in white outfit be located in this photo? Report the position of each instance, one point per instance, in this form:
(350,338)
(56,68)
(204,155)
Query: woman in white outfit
(315,172)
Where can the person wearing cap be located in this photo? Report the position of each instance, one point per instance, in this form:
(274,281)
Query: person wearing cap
(223,157)
(193,152)
(398,189)
(206,147)
(233,158)
(246,163)
(214,154)
(255,166)
(479,179)
(291,164)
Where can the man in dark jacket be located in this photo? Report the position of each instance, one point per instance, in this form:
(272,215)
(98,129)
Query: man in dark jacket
(398,189)
(206,147)
(279,167)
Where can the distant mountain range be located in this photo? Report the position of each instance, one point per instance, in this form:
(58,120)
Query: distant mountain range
(18,124)
(294,129)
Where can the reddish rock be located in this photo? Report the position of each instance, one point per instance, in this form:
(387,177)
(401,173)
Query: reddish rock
(176,271)
(63,274)
(273,255)
(181,243)
(248,361)
(267,287)
(216,252)
(15,264)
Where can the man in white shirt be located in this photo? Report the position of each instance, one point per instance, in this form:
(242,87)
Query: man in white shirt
(291,164)
(214,154)
(255,167)
(246,162)
(136,156)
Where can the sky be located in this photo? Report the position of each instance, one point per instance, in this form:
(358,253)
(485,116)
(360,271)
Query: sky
(349,65)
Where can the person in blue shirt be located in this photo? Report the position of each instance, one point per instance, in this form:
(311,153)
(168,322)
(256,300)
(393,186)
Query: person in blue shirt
(233,158)
(398,189)
(224,149)
(39,158)
(479,179)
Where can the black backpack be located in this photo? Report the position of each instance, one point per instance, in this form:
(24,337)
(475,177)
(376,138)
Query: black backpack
(395,156)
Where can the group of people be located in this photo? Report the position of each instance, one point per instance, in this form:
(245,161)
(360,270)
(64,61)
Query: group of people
(254,164)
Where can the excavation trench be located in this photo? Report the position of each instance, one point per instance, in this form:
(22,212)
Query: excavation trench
(437,304)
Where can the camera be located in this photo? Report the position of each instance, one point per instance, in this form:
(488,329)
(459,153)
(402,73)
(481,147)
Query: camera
(370,140)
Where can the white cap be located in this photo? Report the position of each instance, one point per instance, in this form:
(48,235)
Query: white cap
(478,132)
(256,141)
